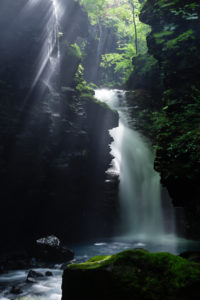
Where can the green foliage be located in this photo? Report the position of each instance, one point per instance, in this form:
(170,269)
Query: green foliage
(178,134)
(122,62)
(79,82)
(95,9)
(160,36)
(174,43)
(92,85)
(119,15)
(150,62)
(74,50)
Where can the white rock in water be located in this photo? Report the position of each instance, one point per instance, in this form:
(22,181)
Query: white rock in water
(50,240)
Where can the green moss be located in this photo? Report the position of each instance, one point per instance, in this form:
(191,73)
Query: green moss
(87,97)
(93,263)
(137,272)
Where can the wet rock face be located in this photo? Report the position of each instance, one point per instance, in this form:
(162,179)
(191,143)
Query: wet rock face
(174,42)
(52,163)
(134,274)
(55,180)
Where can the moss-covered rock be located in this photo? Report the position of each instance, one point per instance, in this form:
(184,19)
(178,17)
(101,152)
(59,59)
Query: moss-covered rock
(132,275)
(146,76)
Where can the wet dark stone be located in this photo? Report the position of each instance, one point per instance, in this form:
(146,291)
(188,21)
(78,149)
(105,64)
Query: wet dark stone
(16,290)
(34,274)
(48,274)
(49,249)
(31,280)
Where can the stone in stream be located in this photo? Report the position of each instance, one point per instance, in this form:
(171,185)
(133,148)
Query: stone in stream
(16,290)
(30,280)
(48,273)
(132,275)
(49,249)
(34,274)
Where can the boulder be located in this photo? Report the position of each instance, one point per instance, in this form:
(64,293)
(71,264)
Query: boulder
(49,249)
(34,274)
(132,275)
(48,274)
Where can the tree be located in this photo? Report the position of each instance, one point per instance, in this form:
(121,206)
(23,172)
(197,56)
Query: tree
(134,23)
(122,17)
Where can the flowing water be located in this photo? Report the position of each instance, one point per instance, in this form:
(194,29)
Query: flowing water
(139,188)
(49,288)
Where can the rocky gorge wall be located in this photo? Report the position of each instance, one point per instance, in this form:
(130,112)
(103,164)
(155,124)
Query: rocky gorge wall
(172,120)
(54,142)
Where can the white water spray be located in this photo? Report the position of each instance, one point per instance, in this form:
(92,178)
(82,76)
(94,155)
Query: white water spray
(139,189)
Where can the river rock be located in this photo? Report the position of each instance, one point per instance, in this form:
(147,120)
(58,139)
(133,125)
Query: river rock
(16,290)
(48,273)
(49,249)
(31,280)
(34,274)
(132,274)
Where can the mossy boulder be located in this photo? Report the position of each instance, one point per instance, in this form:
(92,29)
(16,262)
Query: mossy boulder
(132,274)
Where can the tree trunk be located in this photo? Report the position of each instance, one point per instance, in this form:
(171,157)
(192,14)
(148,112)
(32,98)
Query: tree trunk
(134,23)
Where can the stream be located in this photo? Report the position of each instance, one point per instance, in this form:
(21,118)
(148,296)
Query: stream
(49,288)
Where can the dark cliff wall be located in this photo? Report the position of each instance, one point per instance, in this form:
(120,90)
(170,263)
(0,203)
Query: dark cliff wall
(174,42)
(54,145)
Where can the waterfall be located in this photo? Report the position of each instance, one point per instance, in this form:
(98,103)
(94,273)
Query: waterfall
(139,188)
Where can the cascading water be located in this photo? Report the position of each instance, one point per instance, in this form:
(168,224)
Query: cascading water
(139,188)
